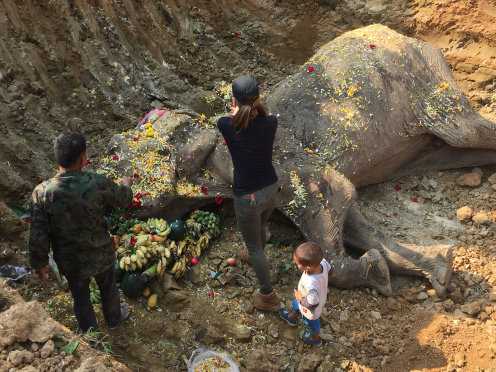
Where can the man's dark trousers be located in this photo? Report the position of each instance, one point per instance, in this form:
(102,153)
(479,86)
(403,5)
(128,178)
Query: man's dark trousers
(83,309)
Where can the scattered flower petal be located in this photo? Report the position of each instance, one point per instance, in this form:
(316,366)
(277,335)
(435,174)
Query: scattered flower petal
(397,187)
(310,69)
(204,190)
(219,200)
(372,46)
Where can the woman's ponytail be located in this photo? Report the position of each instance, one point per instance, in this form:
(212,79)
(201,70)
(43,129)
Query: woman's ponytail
(247,112)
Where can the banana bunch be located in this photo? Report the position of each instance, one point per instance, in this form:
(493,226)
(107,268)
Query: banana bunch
(196,247)
(157,226)
(203,222)
(179,267)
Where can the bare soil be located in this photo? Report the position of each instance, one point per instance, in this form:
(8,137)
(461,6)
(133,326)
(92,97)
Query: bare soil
(99,65)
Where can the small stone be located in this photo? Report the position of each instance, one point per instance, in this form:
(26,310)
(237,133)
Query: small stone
(310,362)
(492,296)
(274,331)
(290,334)
(392,303)
(432,293)
(344,316)
(35,347)
(47,349)
(472,308)
(492,179)
(464,213)
(422,296)
(483,316)
(19,357)
(241,333)
(472,179)
(459,360)
(481,218)
(449,305)
(375,315)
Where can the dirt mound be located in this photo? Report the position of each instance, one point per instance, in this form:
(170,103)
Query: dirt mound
(466,32)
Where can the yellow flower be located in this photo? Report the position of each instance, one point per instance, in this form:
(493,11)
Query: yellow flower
(443,86)
(352,90)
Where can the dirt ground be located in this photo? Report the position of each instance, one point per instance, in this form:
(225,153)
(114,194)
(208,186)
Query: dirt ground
(363,331)
(98,65)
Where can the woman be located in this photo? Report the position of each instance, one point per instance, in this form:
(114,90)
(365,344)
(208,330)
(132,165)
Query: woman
(249,132)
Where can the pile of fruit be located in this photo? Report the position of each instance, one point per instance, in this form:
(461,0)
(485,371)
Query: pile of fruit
(154,247)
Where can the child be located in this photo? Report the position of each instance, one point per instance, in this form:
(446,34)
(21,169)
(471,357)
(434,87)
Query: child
(311,295)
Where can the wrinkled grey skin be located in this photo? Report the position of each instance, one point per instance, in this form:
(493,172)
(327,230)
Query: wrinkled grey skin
(377,106)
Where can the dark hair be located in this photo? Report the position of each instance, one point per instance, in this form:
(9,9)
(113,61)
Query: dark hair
(68,147)
(309,254)
(248,111)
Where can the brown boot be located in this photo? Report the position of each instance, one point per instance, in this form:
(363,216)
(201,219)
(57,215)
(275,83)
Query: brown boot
(268,302)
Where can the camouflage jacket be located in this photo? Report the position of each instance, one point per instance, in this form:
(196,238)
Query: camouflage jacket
(68,216)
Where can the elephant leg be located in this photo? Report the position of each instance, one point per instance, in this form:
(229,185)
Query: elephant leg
(431,262)
(323,220)
(447,157)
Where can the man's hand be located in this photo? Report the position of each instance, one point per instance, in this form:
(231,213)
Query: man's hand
(298,295)
(43,273)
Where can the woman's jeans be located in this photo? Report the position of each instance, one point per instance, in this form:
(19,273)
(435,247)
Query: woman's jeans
(252,214)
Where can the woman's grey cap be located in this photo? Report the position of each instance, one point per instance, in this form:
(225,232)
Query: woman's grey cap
(245,88)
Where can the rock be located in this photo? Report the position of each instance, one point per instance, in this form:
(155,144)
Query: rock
(449,305)
(29,369)
(472,308)
(483,316)
(464,213)
(482,218)
(392,303)
(35,347)
(344,316)
(492,179)
(310,362)
(19,357)
(47,349)
(492,296)
(240,332)
(432,293)
(422,296)
(375,315)
(247,307)
(472,179)
(274,330)
(290,334)
(210,336)
(459,360)
(261,360)
(27,321)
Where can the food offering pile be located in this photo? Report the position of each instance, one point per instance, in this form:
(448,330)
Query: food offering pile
(151,248)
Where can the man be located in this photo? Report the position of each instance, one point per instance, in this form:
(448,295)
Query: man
(68,216)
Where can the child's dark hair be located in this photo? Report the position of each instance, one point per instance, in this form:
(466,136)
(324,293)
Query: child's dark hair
(68,147)
(309,254)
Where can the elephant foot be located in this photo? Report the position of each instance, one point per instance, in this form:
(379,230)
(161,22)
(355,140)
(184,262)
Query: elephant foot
(436,265)
(375,272)
(370,271)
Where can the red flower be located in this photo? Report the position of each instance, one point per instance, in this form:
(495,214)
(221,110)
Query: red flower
(310,69)
(138,195)
(372,46)
(133,241)
(397,187)
(136,203)
(204,190)
(211,293)
(195,261)
(219,199)
(115,157)
(225,142)
(237,34)
(414,199)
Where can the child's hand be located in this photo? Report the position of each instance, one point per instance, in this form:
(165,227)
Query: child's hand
(297,295)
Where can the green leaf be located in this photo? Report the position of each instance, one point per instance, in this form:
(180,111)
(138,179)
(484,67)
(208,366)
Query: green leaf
(71,347)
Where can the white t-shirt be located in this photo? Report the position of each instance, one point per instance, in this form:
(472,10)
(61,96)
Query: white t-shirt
(313,289)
